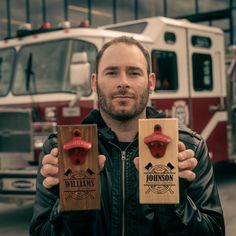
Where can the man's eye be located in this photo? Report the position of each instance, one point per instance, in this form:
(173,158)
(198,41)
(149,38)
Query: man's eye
(111,73)
(135,73)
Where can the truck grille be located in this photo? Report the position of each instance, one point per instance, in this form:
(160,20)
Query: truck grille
(16,133)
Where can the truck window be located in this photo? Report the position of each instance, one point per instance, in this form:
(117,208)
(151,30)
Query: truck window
(7,57)
(44,68)
(137,28)
(201,41)
(170,37)
(202,72)
(164,64)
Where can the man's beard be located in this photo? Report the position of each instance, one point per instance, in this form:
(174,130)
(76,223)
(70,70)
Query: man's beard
(125,115)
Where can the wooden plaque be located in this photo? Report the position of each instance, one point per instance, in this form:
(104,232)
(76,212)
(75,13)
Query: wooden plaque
(158,162)
(78,167)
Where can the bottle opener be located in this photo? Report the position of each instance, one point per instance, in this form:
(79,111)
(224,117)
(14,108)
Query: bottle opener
(158,161)
(157,142)
(77,148)
(79,179)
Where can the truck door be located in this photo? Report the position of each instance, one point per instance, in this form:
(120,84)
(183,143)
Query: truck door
(231,101)
(207,89)
(169,63)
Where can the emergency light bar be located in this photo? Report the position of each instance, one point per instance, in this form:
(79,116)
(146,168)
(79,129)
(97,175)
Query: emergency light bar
(26,28)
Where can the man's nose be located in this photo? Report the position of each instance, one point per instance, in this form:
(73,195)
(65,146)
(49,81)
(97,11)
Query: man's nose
(123,80)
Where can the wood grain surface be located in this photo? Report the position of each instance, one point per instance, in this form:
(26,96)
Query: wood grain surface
(158,176)
(79,183)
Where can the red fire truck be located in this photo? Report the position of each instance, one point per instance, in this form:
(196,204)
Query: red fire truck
(45,81)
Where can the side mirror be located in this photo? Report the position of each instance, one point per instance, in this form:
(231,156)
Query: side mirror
(79,70)
(79,75)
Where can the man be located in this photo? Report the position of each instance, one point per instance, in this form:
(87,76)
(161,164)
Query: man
(123,83)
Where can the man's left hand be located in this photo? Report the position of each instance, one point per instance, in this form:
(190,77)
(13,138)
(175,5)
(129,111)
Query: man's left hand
(187,162)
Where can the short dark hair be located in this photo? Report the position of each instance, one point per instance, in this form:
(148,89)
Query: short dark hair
(125,40)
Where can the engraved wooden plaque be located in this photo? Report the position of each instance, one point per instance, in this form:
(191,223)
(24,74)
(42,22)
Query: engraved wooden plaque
(78,167)
(158,162)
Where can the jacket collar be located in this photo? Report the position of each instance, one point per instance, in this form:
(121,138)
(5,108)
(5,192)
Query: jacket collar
(94,117)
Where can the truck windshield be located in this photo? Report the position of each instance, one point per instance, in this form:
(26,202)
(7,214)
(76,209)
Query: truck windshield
(45,67)
(7,58)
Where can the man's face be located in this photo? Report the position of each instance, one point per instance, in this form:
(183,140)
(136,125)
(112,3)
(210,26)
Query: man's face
(123,84)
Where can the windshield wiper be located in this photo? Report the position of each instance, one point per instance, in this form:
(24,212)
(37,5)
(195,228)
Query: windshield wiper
(29,72)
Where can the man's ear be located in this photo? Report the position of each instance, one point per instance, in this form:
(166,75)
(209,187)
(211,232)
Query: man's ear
(94,82)
(152,82)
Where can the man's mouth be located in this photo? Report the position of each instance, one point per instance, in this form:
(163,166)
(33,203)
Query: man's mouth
(123,96)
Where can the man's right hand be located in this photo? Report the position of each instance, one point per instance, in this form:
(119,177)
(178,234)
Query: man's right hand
(50,169)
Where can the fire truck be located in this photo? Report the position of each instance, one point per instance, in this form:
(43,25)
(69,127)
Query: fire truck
(45,82)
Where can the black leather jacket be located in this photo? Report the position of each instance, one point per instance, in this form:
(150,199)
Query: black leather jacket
(199,212)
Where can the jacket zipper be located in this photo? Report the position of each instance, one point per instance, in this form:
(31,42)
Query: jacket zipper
(123,158)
